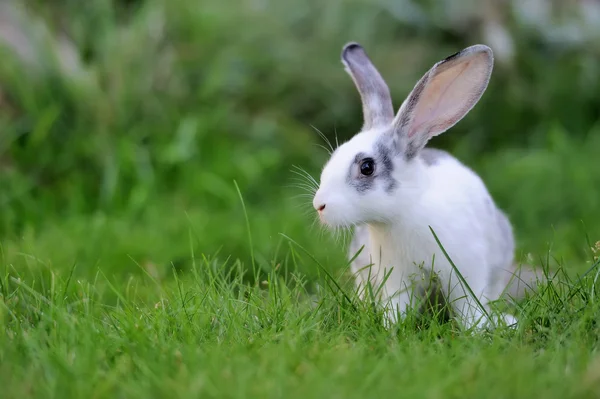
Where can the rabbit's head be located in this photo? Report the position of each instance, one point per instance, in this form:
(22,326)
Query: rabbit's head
(368,177)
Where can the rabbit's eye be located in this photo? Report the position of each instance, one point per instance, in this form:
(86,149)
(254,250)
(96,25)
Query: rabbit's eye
(367,166)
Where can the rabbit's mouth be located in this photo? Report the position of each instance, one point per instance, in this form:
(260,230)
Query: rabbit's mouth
(334,220)
(326,219)
(334,208)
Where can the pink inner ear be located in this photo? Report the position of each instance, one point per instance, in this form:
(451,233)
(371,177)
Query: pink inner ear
(450,93)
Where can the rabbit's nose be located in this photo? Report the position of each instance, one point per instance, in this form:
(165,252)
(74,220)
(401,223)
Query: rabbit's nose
(318,202)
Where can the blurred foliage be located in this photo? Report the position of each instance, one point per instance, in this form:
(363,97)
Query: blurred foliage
(135,136)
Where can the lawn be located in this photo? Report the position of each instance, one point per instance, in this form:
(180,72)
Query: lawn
(157,238)
(208,333)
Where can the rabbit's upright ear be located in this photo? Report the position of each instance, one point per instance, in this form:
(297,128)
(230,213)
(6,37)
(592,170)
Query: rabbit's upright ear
(443,96)
(378,110)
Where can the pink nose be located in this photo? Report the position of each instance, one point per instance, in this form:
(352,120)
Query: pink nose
(321,207)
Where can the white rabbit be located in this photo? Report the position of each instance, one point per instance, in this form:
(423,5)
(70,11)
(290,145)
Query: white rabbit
(384,182)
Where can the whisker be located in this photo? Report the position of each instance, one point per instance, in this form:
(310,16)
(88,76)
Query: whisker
(345,233)
(305,181)
(301,172)
(307,213)
(302,195)
(303,200)
(307,190)
(305,206)
(322,231)
(323,147)
(337,235)
(339,231)
(306,177)
(314,225)
(324,138)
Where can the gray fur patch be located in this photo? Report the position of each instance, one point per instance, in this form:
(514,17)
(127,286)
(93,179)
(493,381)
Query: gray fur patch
(374,92)
(359,157)
(413,144)
(384,154)
(433,298)
(384,166)
(361,183)
(432,156)
(451,57)
(412,102)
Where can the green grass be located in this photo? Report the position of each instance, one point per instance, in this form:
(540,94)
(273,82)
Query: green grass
(208,333)
(157,240)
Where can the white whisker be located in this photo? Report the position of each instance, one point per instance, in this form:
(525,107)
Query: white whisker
(323,147)
(324,138)
(307,189)
(304,174)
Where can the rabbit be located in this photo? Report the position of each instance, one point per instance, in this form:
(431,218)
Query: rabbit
(386,184)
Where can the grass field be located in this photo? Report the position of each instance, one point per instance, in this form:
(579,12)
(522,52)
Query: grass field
(208,333)
(156,239)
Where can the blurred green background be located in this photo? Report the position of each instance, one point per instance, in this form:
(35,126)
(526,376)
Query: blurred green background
(124,124)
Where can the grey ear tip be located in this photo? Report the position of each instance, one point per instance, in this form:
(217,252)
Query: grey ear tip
(350,47)
(474,49)
(481,48)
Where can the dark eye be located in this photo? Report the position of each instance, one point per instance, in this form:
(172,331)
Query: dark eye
(367,166)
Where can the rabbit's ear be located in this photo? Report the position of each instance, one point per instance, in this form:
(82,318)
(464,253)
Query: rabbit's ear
(375,95)
(443,96)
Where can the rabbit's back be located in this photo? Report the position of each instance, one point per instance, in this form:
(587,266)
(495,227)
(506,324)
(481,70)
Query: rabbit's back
(458,200)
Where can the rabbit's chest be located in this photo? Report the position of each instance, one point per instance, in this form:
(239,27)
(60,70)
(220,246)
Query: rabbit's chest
(403,252)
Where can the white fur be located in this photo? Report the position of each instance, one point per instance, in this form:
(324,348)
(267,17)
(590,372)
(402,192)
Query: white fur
(447,196)
(394,225)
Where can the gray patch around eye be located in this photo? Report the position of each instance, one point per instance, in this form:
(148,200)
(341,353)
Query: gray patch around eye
(362,183)
(384,167)
(359,157)
(432,156)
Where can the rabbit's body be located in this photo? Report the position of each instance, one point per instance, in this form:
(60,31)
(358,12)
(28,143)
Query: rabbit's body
(474,232)
(384,181)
